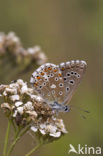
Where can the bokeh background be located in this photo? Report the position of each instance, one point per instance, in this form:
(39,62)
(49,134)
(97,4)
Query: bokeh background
(65,30)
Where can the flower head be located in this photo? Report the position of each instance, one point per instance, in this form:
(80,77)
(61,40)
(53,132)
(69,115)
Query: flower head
(12,44)
(22,105)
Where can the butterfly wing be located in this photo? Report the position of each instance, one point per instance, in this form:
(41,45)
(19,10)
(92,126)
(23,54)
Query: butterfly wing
(72,73)
(47,80)
(57,83)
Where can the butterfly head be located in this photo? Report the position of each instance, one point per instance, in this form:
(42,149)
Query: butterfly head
(59,107)
(67,108)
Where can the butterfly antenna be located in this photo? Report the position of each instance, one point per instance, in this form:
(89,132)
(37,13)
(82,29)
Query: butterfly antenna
(80,109)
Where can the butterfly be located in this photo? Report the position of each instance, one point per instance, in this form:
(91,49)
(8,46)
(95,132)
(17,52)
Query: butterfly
(56,84)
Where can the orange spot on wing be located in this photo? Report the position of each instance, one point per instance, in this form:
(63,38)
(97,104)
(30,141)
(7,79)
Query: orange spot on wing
(45,70)
(38,77)
(60,74)
(55,70)
(49,68)
(35,84)
(42,73)
(62,68)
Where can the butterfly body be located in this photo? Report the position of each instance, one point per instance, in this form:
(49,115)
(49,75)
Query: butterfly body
(57,83)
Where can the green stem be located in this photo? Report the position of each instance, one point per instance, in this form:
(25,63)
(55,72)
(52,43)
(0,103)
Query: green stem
(13,125)
(18,136)
(34,149)
(6,138)
(12,146)
(17,132)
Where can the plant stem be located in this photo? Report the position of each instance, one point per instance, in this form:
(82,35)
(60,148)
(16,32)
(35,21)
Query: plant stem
(14,127)
(34,149)
(12,146)
(17,132)
(6,138)
(18,136)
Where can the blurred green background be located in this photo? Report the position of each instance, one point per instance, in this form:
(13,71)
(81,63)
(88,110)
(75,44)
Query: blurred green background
(65,30)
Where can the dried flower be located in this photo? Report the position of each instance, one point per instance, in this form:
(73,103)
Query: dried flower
(12,44)
(15,59)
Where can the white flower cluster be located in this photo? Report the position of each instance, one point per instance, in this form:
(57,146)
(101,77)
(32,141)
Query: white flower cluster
(54,128)
(15,96)
(24,105)
(11,43)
